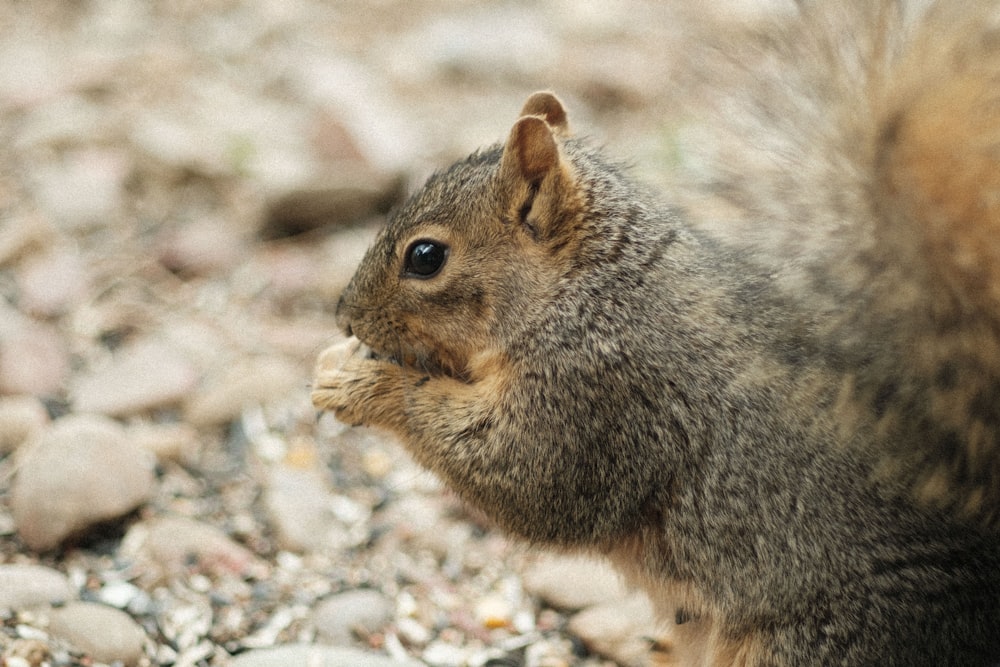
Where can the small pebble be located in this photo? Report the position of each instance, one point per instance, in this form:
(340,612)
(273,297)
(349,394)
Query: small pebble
(309,655)
(167,442)
(302,511)
(202,247)
(344,618)
(24,586)
(21,418)
(442,654)
(572,582)
(84,189)
(617,628)
(411,630)
(494,611)
(21,236)
(34,359)
(172,543)
(145,375)
(119,594)
(105,634)
(248,382)
(53,282)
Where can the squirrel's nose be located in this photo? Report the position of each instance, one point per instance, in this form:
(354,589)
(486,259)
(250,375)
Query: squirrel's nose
(343,317)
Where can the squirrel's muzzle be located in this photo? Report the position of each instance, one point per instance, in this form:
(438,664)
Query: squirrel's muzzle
(343,314)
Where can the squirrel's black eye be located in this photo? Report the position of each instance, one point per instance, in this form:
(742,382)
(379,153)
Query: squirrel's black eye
(425,258)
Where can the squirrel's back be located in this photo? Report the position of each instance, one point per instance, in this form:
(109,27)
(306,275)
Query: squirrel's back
(856,148)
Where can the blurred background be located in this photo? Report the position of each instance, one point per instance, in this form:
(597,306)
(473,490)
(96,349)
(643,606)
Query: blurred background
(185,187)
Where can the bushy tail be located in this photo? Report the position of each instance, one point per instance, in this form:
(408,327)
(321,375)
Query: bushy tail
(855,147)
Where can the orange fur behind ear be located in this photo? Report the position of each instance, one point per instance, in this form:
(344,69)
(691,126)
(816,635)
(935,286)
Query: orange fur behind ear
(941,162)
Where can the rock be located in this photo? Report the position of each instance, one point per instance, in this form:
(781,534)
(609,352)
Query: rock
(201,247)
(298,504)
(199,340)
(367,109)
(494,611)
(415,515)
(53,282)
(444,654)
(349,199)
(33,360)
(224,131)
(21,418)
(62,121)
(171,543)
(412,631)
(167,442)
(122,595)
(104,633)
(484,42)
(24,586)
(84,190)
(146,375)
(617,629)
(291,271)
(247,382)
(346,617)
(315,656)
(26,653)
(81,471)
(572,582)
(176,143)
(342,254)
(21,235)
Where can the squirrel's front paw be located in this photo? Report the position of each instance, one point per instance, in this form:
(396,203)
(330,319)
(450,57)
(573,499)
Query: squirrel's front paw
(345,381)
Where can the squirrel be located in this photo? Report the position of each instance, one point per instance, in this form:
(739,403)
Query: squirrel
(782,422)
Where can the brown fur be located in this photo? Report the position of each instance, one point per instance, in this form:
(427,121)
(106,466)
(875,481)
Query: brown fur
(876,201)
(782,424)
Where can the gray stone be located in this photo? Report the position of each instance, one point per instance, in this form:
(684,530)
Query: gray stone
(24,586)
(202,247)
(315,656)
(298,507)
(53,282)
(572,582)
(171,542)
(81,471)
(486,41)
(84,190)
(342,618)
(21,418)
(33,359)
(104,633)
(147,374)
(617,629)
(167,442)
(20,235)
(247,382)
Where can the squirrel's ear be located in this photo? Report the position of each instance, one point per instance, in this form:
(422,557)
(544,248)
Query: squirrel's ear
(547,106)
(531,151)
(536,180)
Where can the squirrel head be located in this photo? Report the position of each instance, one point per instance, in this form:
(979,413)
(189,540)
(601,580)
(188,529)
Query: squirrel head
(469,251)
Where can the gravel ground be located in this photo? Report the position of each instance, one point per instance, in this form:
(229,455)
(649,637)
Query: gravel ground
(184,189)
